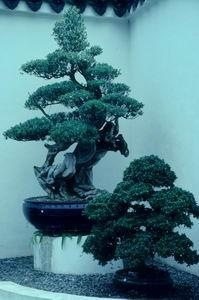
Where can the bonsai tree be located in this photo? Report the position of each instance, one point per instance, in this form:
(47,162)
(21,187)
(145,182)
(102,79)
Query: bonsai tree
(140,218)
(92,106)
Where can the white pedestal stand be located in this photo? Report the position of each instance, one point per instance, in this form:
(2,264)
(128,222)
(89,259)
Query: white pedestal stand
(66,256)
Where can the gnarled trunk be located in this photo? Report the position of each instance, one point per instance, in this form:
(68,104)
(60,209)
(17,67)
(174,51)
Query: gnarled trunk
(73,178)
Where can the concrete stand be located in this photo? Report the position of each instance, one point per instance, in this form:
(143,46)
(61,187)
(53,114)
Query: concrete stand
(64,255)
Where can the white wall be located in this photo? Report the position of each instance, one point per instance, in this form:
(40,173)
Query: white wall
(165,75)
(25,35)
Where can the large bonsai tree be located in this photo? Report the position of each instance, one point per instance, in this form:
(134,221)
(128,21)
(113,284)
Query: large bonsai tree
(140,218)
(92,106)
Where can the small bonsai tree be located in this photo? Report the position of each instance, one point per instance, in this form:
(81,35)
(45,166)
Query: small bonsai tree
(92,106)
(140,218)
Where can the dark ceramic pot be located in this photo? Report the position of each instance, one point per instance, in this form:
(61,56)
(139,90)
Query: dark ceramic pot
(57,217)
(151,281)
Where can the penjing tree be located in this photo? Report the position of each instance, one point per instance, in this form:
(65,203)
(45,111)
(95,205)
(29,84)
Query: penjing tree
(141,218)
(90,116)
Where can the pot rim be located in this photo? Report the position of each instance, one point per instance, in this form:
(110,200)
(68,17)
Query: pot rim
(48,201)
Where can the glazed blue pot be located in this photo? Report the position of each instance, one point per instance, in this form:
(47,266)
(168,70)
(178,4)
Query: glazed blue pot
(53,217)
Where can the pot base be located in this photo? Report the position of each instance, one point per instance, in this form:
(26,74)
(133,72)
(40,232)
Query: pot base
(150,281)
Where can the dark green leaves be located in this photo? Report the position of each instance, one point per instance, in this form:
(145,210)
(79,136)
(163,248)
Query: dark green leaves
(58,64)
(173,200)
(103,71)
(152,170)
(129,192)
(143,214)
(73,131)
(175,204)
(104,247)
(70,32)
(94,51)
(135,249)
(179,246)
(31,130)
(76,98)
(61,63)
(90,91)
(118,88)
(50,94)
(66,131)
(91,101)
(129,108)
(94,112)
(99,209)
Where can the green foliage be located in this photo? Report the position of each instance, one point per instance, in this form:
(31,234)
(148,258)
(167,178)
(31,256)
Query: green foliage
(37,237)
(138,191)
(140,219)
(102,251)
(135,249)
(129,107)
(91,102)
(150,170)
(121,88)
(32,130)
(94,112)
(72,131)
(76,98)
(179,246)
(59,64)
(98,208)
(103,71)
(50,94)
(94,51)
(69,36)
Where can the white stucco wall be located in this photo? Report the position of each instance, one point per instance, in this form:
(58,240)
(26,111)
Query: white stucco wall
(165,73)
(25,35)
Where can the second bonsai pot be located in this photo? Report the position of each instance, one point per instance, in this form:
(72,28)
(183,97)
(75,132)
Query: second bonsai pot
(150,281)
(57,217)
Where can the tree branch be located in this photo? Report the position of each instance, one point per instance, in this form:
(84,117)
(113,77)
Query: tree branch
(43,112)
(73,79)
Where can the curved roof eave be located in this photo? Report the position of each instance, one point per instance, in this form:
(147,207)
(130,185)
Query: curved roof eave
(120,7)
